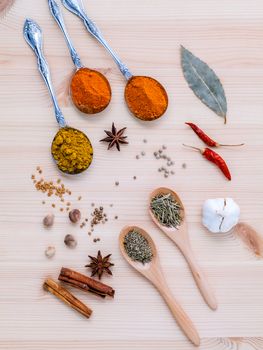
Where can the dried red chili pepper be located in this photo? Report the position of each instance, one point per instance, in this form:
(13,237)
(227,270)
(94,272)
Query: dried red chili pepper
(205,138)
(215,158)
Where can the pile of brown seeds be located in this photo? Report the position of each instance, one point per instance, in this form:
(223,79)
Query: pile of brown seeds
(52,188)
(97,217)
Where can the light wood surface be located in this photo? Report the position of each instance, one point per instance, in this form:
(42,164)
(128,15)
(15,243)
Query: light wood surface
(147,34)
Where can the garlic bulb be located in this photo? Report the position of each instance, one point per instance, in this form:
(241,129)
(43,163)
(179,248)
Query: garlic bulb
(220,214)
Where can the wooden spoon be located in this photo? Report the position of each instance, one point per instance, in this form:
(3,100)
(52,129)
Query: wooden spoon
(180,237)
(153,272)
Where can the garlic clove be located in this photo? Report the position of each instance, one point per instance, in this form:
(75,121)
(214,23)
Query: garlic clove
(220,214)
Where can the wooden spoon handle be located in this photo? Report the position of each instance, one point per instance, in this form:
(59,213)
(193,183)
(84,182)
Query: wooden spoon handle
(181,317)
(200,278)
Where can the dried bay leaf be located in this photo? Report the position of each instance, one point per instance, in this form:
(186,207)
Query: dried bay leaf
(204,82)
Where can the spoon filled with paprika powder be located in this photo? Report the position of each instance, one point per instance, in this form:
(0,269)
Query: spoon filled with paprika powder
(90,90)
(146,98)
(71,148)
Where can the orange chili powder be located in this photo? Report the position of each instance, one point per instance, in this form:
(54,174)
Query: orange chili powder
(146,98)
(90,91)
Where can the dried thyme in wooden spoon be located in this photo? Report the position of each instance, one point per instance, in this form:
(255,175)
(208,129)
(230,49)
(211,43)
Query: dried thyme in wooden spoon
(137,247)
(166,210)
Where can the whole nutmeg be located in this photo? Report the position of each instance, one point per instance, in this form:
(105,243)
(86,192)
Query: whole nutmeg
(48,220)
(74,216)
(70,241)
(50,252)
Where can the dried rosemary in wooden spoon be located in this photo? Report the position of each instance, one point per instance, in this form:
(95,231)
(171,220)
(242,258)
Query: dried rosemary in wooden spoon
(166,210)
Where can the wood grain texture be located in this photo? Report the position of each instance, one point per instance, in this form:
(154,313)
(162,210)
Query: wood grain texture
(147,35)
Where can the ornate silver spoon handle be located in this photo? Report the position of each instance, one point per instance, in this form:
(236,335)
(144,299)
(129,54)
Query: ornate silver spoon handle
(57,14)
(75,7)
(33,36)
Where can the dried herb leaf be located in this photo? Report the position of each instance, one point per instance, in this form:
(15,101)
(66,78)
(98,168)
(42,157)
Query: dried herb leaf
(204,82)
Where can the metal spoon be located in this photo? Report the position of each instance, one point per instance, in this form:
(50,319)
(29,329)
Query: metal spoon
(33,36)
(133,82)
(87,103)
(180,237)
(153,272)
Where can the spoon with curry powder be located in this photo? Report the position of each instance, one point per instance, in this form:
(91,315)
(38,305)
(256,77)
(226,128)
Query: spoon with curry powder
(145,97)
(90,90)
(139,250)
(71,149)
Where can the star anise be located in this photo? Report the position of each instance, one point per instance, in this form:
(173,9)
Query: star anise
(100,265)
(115,137)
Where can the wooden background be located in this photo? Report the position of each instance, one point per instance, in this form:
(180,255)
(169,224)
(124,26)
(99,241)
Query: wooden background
(147,34)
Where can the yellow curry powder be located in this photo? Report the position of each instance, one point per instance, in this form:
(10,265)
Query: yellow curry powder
(146,97)
(90,91)
(72,150)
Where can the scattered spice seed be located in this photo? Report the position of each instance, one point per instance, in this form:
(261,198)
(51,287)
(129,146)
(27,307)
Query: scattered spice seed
(169,162)
(79,198)
(137,247)
(117,183)
(184,166)
(49,187)
(134,177)
(144,141)
(116,217)
(54,205)
(137,157)
(43,202)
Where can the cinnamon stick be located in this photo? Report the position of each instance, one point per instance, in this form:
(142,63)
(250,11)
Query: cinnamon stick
(85,283)
(68,298)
